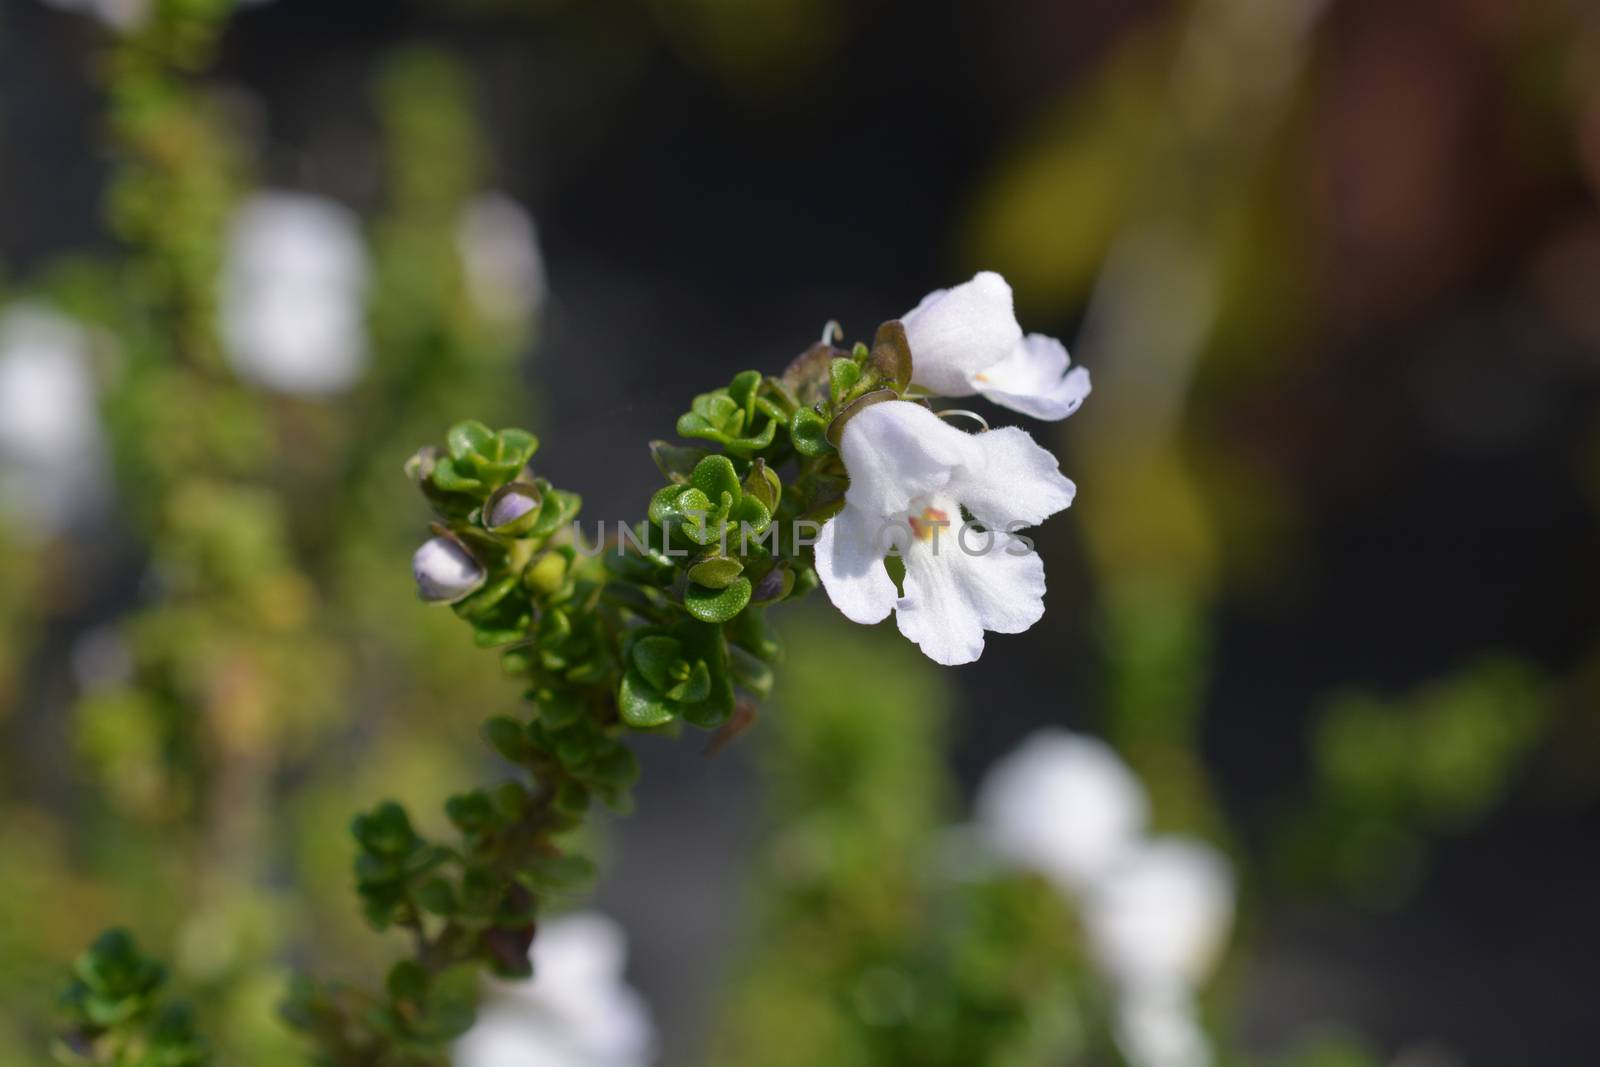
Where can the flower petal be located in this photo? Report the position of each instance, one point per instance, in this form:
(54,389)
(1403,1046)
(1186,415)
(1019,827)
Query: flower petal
(956,333)
(850,564)
(896,451)
(1018,482)
(955,593)
(1034,380)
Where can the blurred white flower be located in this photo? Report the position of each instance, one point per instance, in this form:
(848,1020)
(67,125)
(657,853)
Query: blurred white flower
(1159,918)
(1161,1031)
(911,474)
(293,294)
(575,1011)
(1156,911)
(1064,805)
(501,261)
(966,340)
(120,14)
(52,457)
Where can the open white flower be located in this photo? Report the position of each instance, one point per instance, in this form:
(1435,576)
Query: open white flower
(1064,805)
(966,341)
(911,476)
(576,1010)
(293,294)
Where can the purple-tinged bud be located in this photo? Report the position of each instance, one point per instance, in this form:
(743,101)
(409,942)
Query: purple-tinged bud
(445,571)
(774,585)
(513,509)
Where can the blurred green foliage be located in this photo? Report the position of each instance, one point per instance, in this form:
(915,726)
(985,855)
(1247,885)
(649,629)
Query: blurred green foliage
(1388,774)
(875,937)
(114,1014)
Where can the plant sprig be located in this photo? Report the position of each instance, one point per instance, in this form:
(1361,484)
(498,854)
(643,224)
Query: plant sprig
(660,625)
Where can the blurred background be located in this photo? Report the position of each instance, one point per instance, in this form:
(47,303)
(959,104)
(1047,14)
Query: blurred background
(1330,584)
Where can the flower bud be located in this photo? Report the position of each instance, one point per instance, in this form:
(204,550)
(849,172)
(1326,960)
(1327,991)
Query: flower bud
(419,468)
(513,509)
(445,571)
(775,585)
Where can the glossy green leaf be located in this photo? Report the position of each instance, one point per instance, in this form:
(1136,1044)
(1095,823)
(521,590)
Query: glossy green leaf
(717,605)
(719,572)
(641,705)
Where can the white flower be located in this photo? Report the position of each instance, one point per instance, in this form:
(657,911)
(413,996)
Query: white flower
(575,1011)
(52,459)
(1155,1030)
(966,340)
(1064,805)
(445,571)
(500,258)
(1156,912)
(1159,919)
(293,294)
(119,14)
(911,474)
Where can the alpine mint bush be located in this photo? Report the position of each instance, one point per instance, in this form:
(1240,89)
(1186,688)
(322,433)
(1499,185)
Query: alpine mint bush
(818,475)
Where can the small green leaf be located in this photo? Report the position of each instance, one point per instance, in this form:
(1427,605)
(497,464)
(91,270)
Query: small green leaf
(451,1005)
(572,798)
(437,897)
(655,657)
(565,873)
(616,766)
(714,476)
(386,831)
(471,812)
(763,484)
(694,688)
(718,572)
(449,476)
(508,737)
(558,707)
(750,672)
(809,432)
(747,446)
(743,390)
(717,605)
(676,461)
(407,981)
(470,439)
(515,447)
(843,374)
(641,706)
(510,801)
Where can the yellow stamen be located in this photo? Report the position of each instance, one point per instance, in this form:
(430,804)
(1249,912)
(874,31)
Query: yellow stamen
(932,520)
